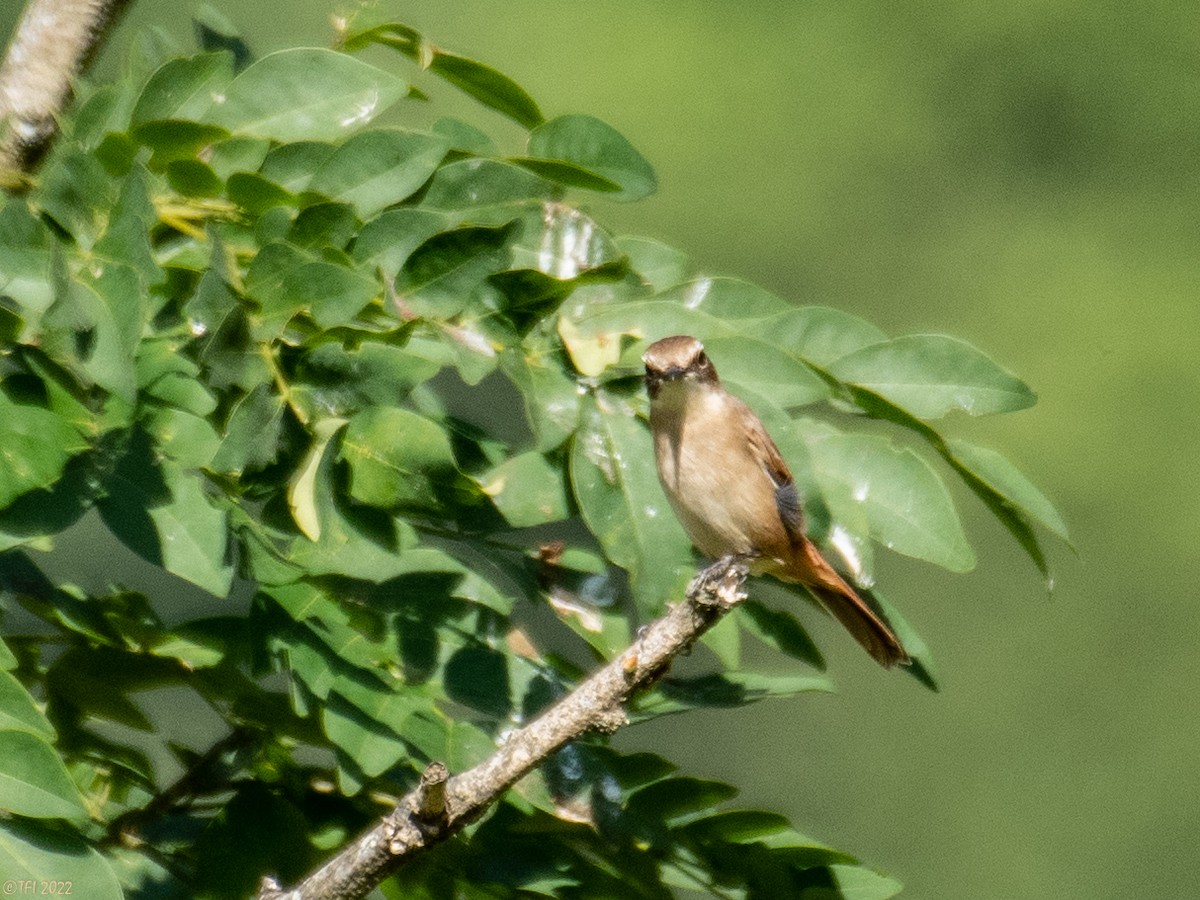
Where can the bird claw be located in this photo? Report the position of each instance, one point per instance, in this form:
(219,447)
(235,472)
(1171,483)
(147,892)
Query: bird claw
(718,584)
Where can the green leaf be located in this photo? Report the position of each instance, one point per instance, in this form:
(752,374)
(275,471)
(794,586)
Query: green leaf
(185,437)
(708,309)
(779,629)
(817,334)
(449,272)
(765,370)
(344,640)
(333,294)
(192,178)
(592,337)
(72,190)
(587,602)
(183,391)
(907,506)
(324,228)
(929,375)
(265,285)
(201,644)
(490,87)
(738,826)
(485,191)
(161,512)
(563,243)
(35,445)
(120,289)
(568,174)
(21,578)
(659,265)
(467,746)
(100,680)
(303,487)
(257,831)
(466,584)
(238,155)
(464,137)
(343,538)
(366,738)
(477,676)
(473,345)
(677,800)
(277,223)
(215,30)
(126,241)
(725,641)
(922,666)
(613,477)
(105,111)
(1010,484)
(18,712)
(87,334)
(596,149)
(305,94)
(730,299)
(25,258)
(35,517)
(292,166)
(34,782)
(387,241)
(396,457)
(116,153)
(176,139)
(1010,515)
(527,490)
(725,690)
(256,194)
(69,399)
(384,704)
(377,168)
(184,88)
(343,380)
(31,853)
(857,883)
(252,436)
(11,323)
(548,390)
(632,770)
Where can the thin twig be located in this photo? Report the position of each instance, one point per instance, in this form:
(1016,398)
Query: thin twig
(426,817)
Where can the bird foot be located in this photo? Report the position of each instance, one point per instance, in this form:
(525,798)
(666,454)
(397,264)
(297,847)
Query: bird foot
(720,583)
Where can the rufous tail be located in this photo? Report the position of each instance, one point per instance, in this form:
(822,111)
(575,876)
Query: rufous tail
(847,607)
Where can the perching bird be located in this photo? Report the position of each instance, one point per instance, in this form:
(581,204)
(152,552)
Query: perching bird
(732,491)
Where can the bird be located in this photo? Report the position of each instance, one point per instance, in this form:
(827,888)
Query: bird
(732,491)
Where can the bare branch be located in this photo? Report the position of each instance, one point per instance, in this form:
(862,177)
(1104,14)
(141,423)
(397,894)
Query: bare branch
(431,802)
(437,808)
(52,43)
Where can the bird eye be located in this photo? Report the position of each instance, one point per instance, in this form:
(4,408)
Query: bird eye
(702,358)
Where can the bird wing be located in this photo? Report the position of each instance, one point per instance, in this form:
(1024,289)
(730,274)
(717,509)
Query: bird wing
(787,498)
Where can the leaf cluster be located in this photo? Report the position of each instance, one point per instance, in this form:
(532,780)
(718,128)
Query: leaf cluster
(384,383)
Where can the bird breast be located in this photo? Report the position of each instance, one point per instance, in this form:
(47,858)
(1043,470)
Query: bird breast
(719,490)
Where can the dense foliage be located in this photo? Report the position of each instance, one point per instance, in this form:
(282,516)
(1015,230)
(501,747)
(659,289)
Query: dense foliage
(385,383)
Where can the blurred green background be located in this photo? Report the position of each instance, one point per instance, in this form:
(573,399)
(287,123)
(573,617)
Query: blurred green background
(1020,174)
